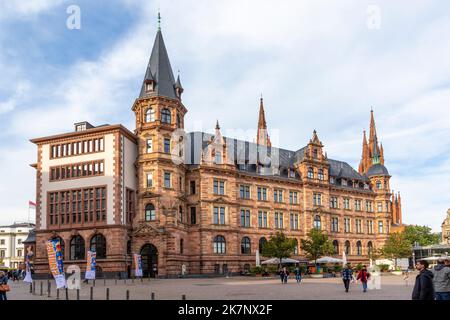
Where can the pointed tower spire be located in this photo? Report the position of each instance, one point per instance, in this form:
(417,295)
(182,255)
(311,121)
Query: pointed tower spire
(178,87)
(381,154)
(159,79)
(262,137)
(364,165)
(375,153)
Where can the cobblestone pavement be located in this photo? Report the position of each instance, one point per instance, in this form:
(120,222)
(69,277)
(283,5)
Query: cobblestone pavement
(234,288)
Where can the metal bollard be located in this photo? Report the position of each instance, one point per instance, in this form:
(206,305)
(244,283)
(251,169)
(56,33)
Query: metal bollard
(41,289)
(92,294)
(67,294)
(78,294)
(94,282)
(153,296)
(57,294)
(31,287)
(128,295)
(107,293)
(183,297)
(49,289)
(34,287)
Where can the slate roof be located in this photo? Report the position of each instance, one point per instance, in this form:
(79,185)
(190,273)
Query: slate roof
(31,237)
(246,156)
(159,71)
(377,170)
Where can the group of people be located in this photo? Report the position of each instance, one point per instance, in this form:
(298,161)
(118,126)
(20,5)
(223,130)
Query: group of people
(432,284)
(348,276)
(284,274)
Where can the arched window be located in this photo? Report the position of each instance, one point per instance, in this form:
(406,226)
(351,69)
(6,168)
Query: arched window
(166,116)
(359,248)
(61,243)
(320,174)
(150,115)
(98,244)
(219,245)
(245,245)
(369,248)
(336,247)
(150,213)
(181,246)
(77,251)
(378,183)
(262,243)
(317,222)
(347,247)
(296,247)
(181,213)
(311,173)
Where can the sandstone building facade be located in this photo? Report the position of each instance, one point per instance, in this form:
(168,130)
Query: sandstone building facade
(201,200)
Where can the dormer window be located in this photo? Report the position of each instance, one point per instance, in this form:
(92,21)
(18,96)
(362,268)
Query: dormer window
(218,157)
(315,154)
(320,174)
(149,86)
(378,184)
(310,173)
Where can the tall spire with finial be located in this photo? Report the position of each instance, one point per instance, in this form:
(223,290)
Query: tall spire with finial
(365,157)
(262,137)
(159,20)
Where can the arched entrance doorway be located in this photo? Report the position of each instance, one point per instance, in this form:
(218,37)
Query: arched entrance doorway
(149,256)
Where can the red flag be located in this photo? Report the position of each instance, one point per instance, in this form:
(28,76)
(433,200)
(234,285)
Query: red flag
(31,203)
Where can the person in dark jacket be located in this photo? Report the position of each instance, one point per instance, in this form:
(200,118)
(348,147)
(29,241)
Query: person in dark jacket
(298,274)
(347,276)
(423,288)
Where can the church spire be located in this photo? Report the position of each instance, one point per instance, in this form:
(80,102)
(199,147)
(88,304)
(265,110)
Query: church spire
(159,79)
(363,165)
(262,135)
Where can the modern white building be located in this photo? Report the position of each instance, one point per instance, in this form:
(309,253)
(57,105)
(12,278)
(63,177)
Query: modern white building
(12,250)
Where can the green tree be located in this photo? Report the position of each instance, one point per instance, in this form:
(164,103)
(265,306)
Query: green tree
(397,246)
(279,246)
(317,244)
(421,235)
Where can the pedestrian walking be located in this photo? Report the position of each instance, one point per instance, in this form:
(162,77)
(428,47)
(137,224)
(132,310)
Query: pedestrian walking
(347,276)
(284,273)
(363,275)
(423,288)
(3,285)
(441,280)
(281,272)
(298,275)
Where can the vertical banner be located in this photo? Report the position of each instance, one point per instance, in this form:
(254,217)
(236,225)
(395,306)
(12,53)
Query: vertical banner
(28,277)
(91,264)
(137,265)
(55,261)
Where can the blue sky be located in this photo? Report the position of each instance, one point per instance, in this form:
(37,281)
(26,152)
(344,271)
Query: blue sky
(317,63)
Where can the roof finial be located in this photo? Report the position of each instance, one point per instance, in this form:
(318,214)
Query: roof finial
(159,20)
(217,125)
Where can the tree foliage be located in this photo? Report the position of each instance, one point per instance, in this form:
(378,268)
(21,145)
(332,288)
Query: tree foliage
(421,235)
(397,246)
(279,246)
(317,244)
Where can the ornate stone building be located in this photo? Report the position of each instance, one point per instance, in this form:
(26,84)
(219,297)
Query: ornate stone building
(201,200)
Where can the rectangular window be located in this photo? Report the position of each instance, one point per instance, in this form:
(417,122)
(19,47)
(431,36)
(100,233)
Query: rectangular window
(293,197)
(130,205)
(369,206)
(262,219)
(347,225)
(317,199)
(167,182)
(294,221)
(219,215)
(193,215)
(278,220)
(192,187)
(346,203)
(149,179)
(245,218)
(358,225)
(244,192)
(333,202)
(149,145)
(379,206)
(219,187)
(262,194)
(278,195)
(358,205)
(380,227)
(166,145)
(334,224)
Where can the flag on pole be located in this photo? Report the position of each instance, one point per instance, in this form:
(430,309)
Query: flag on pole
(31,204)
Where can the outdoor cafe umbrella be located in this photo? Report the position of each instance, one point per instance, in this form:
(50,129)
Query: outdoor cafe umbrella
(277,261)
(329,260)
